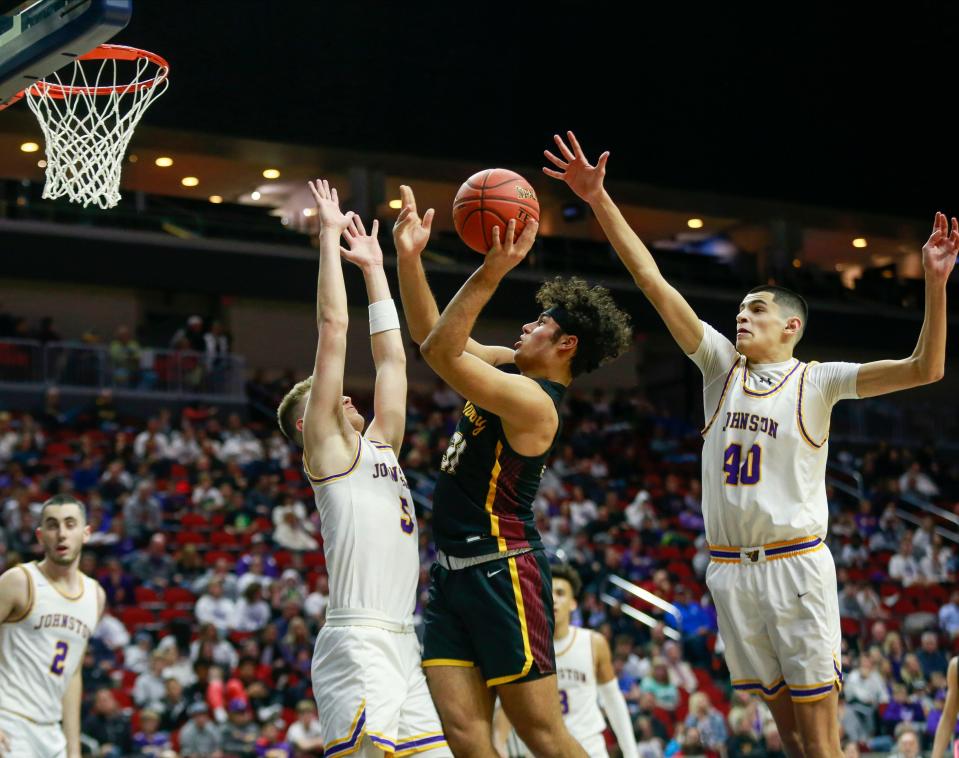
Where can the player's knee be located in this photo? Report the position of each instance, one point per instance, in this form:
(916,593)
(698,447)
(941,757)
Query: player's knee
(466,736)
(819,746)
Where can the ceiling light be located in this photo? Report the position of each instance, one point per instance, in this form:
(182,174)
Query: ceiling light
(396,204)
(42,163)
(216,199)
(695,223)
(859,242)
(29,147)
(308,212)
(255,195)
(164,161)
(189,181)
(271,173)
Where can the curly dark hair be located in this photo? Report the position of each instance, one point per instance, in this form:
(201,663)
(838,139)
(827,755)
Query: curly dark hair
(571,575)
(605,332)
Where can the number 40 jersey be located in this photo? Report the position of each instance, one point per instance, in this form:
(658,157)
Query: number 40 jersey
(42,649)
(765,443)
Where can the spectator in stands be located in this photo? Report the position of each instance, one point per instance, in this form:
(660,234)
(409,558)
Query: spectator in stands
(949,615)
(154,568)
(657,683)
(680,672)
(151,440)
(900,710)
(149,686)
(304,733)
(916,482)
(108,726)
(742,742)
(150,741)
(864,691)
(136,657)
(252,611)
(708,720)
(271,742)
(111,631)
(125,357)
(911,674)
(216,348)
(907,744)
(292,530)
(192,333)
(936,566)
(142,512)
(931,658)
(903,566)
(172,706)
(215,608)
(220,571)
(240,733)
(200,737)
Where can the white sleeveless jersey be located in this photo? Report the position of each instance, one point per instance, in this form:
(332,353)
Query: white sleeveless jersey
(765,448)
(40,652)
(369,533)
(576,679)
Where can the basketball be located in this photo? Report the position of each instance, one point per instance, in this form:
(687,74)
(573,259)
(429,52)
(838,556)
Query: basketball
(491,198)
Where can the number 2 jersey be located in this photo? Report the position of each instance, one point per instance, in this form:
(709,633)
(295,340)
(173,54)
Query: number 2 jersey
(41,651)
(765,443)
(483,501)
(369,533)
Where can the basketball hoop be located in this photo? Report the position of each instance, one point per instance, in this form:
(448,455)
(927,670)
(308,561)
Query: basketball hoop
(87,119)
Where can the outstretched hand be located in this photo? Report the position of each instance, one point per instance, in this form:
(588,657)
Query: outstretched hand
(939,252)
(583,178)
(328,207)
(410,232)
(362,249)
(504,256)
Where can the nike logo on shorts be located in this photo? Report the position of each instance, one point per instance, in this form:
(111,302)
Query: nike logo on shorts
(491,574)
(802,594)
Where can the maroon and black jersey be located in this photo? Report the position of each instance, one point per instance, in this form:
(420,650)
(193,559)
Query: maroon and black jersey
(483,502)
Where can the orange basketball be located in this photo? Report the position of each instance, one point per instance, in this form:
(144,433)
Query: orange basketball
(489,199)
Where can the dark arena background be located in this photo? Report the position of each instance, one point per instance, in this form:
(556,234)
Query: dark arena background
(144,349)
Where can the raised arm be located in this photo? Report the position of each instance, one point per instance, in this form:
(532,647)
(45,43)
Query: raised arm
(587,182)
(509,396)
(327,436)
(410,235)
(927,362)
(947,721)
(386,339)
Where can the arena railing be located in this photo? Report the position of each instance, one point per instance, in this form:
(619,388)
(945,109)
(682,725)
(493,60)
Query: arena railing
(143,371)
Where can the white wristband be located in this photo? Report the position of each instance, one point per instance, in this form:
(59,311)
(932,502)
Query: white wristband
(383,317)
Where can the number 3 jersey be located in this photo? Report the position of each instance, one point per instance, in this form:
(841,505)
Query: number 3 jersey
(41,650)
(369,533)
(765,443)
(483,502)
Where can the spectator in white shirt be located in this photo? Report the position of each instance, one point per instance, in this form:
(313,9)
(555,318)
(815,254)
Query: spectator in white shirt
(215,608)
(316,601)
(304,733)
(149,687)
(291,528)
(902,566)
(205,495)
(151,439)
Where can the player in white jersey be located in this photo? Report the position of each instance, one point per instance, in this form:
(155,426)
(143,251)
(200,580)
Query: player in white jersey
(367,677)
(764,457)
(586,680)
(48,610)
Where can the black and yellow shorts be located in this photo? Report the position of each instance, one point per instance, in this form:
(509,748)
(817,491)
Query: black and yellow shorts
(496,615)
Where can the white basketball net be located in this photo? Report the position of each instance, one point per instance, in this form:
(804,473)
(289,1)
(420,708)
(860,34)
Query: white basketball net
(86,133)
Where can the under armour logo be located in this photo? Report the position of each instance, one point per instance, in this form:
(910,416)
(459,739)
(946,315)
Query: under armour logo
(764,380)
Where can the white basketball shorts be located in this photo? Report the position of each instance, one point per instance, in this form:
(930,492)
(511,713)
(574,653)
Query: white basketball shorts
(778,613)
(369,686)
